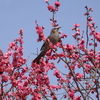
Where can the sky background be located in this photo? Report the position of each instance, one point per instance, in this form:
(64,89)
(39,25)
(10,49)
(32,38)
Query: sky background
(16,14)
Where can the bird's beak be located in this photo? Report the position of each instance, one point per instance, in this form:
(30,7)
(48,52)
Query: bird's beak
(59,27)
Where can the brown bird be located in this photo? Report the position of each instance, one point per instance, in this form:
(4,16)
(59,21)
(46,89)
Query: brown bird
(54,38)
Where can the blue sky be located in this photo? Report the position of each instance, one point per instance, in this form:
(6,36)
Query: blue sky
(16,14)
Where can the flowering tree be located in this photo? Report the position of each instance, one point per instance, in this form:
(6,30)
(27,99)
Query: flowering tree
(81,64)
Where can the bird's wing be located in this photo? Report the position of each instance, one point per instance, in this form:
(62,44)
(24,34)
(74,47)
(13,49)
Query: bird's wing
(42,46)
(45,43)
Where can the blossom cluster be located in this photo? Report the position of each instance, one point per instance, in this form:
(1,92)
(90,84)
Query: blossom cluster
(11,68)
(39,31)
(53,8)
(80,61)
(77,78)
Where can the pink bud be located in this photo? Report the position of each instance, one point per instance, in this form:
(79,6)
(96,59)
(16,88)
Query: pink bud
(46,1)
(77,25)
(92,91)
(57,3)
(50,8)
(90,19)
(21,31)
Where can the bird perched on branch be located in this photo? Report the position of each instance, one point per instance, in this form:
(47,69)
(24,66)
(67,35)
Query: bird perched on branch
(54,38)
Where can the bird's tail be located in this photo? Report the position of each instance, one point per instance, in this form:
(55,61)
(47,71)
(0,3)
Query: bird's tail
(37,59)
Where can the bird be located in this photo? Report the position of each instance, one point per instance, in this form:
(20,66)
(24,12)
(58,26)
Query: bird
(54,38)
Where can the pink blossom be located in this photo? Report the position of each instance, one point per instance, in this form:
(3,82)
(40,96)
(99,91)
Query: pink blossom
(93,23)
(10,68)
(46,1)
(50,8)
(24,77)
(62,54)
(91,33)
(57,3)
(54,56)
(95,44)
(71,95)
(72,67)
(59,44)
(53,24)
(39,30)
(57,74)
(97,36)
(21,32)
(77,98)
(92,29)
(4,78)
(96,96)
(12,44)
(53,87)
(90,44)
(36,96)
(87,13)
(48,53)
(73,28)
(69,47)
(92,91)
(90,9)
(69,75)
(24,69)
(9,53)
(26,83)
(79,75)
(68,81)
(2,69)
(77,25)
(63,36)
(90,19)
(82,41)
